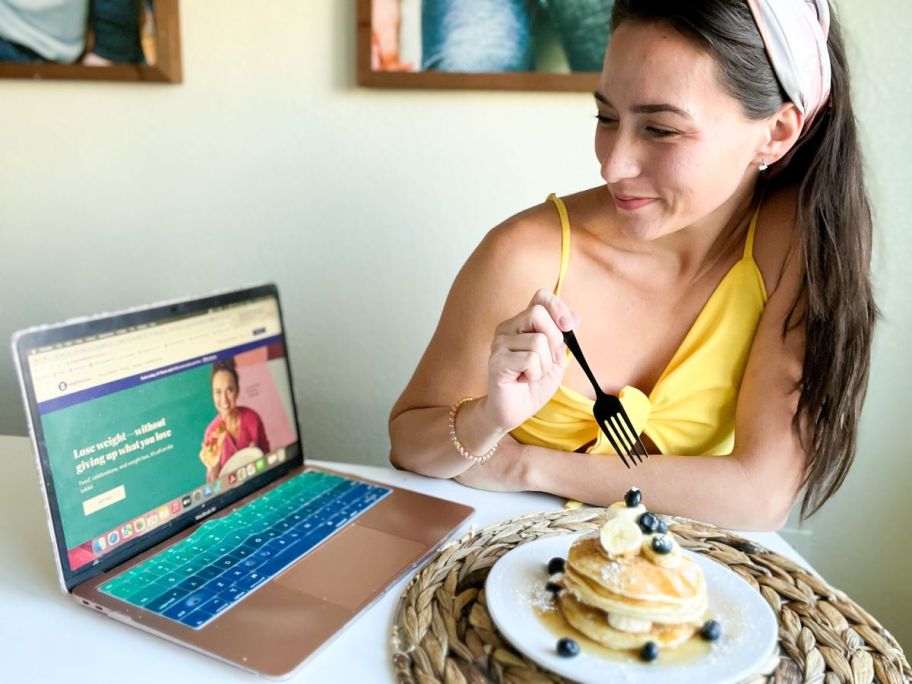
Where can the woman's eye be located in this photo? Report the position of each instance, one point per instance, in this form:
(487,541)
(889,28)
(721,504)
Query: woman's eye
(605,119)
(660,132)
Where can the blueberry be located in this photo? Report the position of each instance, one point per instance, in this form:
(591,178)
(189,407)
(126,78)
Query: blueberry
(648,522)
(567,647)
(711,630)
(553,587)
(650,651)
(661,544)
(662,528)
(555,565)
(633,497)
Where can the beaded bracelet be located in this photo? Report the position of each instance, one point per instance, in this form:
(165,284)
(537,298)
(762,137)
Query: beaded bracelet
(479,460)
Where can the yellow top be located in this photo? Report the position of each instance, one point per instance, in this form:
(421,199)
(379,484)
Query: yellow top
(691,409)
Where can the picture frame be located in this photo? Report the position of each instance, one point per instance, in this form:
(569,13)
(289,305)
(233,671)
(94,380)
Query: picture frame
(164,45)
(371,77)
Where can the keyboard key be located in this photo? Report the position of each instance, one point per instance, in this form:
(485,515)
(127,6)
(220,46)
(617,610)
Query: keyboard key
(186,605)
(209,572)
(165,601)
(232,594)
(215,605)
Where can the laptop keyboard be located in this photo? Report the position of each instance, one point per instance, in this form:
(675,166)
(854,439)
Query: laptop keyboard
(225,559)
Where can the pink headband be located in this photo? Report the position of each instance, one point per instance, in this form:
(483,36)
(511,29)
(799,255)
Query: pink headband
(795,34)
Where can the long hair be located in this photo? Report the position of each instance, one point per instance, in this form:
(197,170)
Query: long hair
(835,304)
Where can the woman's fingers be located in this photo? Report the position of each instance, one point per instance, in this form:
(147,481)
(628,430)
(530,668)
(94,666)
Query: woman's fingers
(535,319)
(510,366)
(546,314)
(528,349)
(536,343)
(559,312)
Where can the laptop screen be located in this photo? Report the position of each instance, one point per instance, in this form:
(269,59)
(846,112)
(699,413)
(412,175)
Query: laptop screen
(158,421)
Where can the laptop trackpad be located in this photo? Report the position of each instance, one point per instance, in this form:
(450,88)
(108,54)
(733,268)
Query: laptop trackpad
(353,566)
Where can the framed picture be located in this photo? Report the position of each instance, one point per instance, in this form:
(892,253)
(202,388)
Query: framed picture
(115,40)
(482,44)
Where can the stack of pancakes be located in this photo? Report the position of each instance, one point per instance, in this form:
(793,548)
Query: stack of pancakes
(624,599)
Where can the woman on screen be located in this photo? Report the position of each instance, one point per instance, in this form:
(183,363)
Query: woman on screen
(234,428)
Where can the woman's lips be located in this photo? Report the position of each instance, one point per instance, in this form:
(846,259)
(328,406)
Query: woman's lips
(632,203)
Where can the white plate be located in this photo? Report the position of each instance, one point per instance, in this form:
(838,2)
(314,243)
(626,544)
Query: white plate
(749,628)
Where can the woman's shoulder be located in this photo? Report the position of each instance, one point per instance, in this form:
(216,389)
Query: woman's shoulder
(514,260)
(521,250)
(527,231)
(533,237)
(777,234)
(247,413)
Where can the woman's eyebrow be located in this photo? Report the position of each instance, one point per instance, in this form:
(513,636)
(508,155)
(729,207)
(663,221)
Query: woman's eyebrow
(647,108)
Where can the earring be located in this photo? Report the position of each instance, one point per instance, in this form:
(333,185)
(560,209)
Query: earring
(762,166)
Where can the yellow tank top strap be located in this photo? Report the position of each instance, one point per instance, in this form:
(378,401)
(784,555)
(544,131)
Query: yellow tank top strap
(565,240)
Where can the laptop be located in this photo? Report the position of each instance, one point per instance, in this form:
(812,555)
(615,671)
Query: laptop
(176,490)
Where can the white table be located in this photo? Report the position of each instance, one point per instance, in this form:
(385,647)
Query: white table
(45,636)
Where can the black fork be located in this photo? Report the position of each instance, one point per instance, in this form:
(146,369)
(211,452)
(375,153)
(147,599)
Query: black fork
(610,414)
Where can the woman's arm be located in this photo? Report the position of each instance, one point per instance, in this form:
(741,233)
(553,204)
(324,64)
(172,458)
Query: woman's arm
(513,261)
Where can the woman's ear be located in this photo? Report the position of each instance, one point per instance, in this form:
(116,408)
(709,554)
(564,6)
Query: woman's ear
(782,132)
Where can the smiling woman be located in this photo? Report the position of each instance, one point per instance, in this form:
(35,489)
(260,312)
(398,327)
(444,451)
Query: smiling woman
(234,428)
(718,279)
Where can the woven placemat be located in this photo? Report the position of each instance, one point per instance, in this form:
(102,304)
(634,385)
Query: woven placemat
(442,630)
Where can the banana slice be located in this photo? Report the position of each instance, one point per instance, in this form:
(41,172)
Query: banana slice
(671,559)
(624,623)
(621,510)
(621,537)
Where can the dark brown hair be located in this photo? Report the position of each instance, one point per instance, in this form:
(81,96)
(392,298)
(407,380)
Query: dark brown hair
(229,366)
(835,305)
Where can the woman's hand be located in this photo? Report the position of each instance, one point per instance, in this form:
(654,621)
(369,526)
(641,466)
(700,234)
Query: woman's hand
(528,359)
(208,456)
(211,448)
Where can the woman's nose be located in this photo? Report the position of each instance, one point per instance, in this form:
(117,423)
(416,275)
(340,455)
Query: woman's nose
(620,158)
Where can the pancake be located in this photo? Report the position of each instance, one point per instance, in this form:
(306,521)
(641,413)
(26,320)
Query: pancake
(636,577)
(593,623)
(658,610)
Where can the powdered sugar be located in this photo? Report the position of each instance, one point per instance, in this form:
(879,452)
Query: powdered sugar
(541,599)
(613,575)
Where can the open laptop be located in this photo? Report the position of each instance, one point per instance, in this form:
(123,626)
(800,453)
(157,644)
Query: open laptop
(176,491)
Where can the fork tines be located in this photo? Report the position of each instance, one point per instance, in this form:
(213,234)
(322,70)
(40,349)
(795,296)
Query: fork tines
(624,438)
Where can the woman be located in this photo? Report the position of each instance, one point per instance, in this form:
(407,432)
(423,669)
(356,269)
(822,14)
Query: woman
(234,428)
(719,279)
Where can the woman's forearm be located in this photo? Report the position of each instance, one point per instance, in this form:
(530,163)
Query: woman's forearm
(714,489)
(420,439)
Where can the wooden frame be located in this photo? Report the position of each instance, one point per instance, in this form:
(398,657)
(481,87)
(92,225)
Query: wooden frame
(166,70)
(526,80)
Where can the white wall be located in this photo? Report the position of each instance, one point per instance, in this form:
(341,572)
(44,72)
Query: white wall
(268,163)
